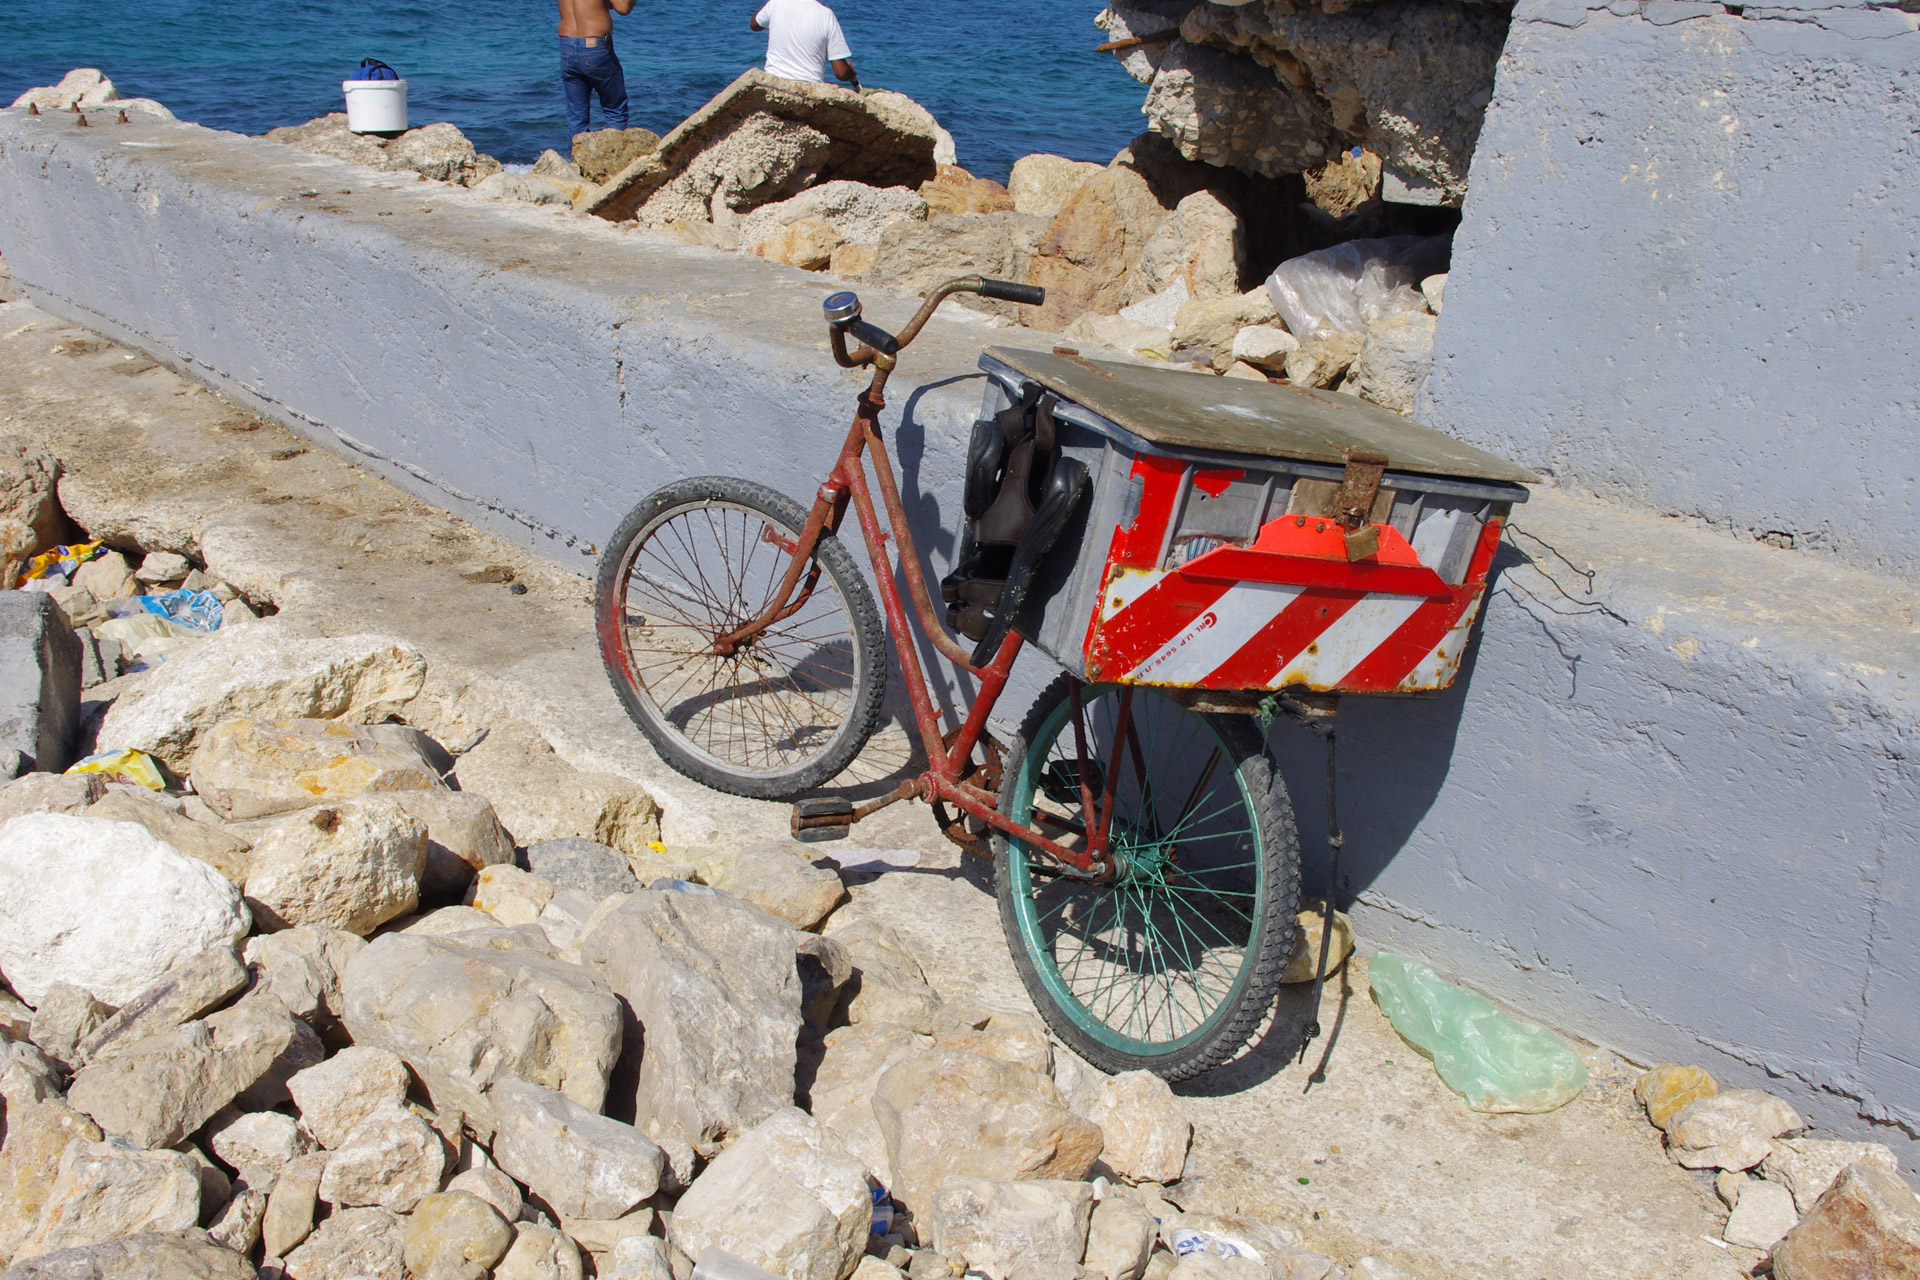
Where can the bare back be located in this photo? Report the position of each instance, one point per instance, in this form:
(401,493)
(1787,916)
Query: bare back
(589,17)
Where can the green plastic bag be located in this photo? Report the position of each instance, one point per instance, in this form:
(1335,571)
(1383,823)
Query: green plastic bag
(1494,1060)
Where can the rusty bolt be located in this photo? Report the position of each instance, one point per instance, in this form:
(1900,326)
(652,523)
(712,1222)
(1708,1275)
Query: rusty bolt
(82,122)
(33,108)
(326,819)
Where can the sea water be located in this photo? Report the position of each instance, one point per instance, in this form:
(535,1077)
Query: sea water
(1006,77)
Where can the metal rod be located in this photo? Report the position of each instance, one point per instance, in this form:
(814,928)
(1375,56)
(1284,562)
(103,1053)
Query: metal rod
(1335,840)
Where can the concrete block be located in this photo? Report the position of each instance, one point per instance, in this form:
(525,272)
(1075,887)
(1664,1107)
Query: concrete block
(40,659)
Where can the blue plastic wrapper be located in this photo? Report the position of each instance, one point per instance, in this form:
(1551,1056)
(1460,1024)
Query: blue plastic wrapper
(197,610)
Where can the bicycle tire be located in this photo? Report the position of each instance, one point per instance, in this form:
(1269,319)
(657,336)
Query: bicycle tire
(1271,925)
(864,634)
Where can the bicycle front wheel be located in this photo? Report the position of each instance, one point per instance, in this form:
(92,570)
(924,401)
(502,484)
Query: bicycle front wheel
(789,708)
(1170,964)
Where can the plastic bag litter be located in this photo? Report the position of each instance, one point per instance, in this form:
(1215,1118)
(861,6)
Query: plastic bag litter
(60,560)
(124,766)
(1497,1062)
(198,611)
(130,629)
(1344,288)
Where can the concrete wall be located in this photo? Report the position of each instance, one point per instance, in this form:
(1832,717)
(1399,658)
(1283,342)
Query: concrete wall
(1689,272)
(1674,814)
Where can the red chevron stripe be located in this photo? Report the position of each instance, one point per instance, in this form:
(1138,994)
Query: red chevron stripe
(1138,631)
(1267,652)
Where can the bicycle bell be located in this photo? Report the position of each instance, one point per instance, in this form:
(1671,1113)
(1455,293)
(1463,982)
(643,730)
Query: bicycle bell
(842,307)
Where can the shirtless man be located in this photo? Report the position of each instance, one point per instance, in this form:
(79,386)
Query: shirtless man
(588,64)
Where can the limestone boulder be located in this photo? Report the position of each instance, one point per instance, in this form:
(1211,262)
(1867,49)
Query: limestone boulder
(464,836)
(581,1163)
(106,1190)
(1001,1227)
(824,969)
(351,866)
(539,796)
(1201,242)
(261,673)
(251,768)
(601,153)
(438,151)
(70,793)
(1320,362)
(807,244)
(392,1159)
(852,1062)
(107,576)
(1808,1166)
(195,986)
(762,139)
(29,477)
(1019,1039)
(914,256)
(302,967)
(1733,1130)
(259,1144)
(540,1253)
(785,1197)
(1043,184)
(1434,290)
(778,878)
(1264,346)
(1120,1236)
(588,866)
(1761,1216)
(291,1205)
(1154,342)
(1146,1128)
(512,897)
(637,1258)
(598,1237)
(83,87)
(520,187)
(237,1225)
(954,1114)
(38,1134)
(1395,360)
(713,984)
(454,1236)
(954,190)
(148,1255)
(1866,1225)
(1667,1089)
(857,213)
(351,1243)
(463,1017)
(258,1028)
(67,1015)
(1211,324)
(887,984)
(104,906)
(220,849)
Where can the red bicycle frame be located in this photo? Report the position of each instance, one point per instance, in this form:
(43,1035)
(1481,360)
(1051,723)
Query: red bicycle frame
(950,777)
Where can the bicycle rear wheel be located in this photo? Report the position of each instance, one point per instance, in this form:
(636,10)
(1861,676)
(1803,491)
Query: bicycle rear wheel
(790,708)
(1171,963)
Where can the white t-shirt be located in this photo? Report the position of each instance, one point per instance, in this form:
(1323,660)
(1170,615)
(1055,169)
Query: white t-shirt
(802,36)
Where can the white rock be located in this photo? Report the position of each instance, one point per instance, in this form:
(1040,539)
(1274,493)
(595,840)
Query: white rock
(391,1159)
(1395,360)
(714,985)
(1146,1128)
(1808,1166)
(1042,183)
(491,1185)
(454,1236)
(177,1255)
(1122,333)
(260,1141)
(637,1258)
(1264,346)
(1158,310)
(1079,1084)
(1120,1236)
(352,1244)
(600,1236)
(1207,1266)
(247,768)
(582,1164)
(465,1016)
(1000,1226)
(336,1095)
(510,895)
(1371,1268)
(892,987)
(464,836)
(104,1190)
(291,1205)
(262,672)
(104,906)
(777,878)
(237,1227)
(195,986)
(83,87)
(851,1063)
(351,866)
(785,1197)
(302,968)
(539,1253)
(162,566)
(66,1016)
(1434,290)
(1763,1215)
(1732,1130)
(857,211)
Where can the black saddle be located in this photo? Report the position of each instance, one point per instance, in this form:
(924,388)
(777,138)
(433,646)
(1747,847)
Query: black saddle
(1020,493)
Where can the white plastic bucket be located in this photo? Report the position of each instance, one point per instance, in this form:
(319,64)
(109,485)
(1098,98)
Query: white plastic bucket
(376,106)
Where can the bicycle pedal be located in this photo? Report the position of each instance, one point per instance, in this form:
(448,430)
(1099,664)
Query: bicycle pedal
(830,818)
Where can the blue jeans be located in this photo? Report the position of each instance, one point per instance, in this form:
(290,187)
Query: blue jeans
(588,65)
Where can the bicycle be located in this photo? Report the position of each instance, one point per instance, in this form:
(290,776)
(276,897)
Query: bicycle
(1147,866)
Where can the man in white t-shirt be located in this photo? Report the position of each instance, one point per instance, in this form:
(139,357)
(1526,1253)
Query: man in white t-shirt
(802,36)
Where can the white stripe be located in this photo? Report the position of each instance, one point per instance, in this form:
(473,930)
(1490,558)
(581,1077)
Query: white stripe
(1437,669)
(1215,635)
(1348,642)
(1126,586)
(1434,532)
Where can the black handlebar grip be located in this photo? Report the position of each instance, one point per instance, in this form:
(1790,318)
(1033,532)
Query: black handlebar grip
(1007,291)
(874,336)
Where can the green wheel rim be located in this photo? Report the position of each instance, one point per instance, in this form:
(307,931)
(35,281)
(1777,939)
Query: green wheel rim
(1156,959)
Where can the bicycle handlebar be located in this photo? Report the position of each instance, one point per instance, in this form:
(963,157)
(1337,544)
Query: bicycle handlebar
(878,347)
(1031,295)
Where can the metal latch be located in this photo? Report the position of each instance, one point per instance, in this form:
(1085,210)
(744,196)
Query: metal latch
(1353,502)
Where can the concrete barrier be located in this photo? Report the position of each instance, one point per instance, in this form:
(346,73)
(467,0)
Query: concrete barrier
(1669,806)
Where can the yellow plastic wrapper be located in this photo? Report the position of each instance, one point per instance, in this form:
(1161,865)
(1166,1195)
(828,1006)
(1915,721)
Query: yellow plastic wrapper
(60,560)
(136,767)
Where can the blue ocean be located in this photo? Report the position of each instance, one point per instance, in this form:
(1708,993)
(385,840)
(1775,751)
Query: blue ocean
(1006,77)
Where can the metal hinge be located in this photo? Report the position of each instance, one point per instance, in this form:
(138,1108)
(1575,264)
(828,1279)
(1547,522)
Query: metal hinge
(1353,501)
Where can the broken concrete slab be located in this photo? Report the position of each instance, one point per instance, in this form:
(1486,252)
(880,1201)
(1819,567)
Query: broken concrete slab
(39,684)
